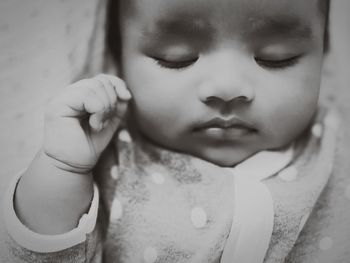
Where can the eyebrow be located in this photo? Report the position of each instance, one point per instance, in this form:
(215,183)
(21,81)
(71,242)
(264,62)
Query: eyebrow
(180,27)
(202,33)
(279,25)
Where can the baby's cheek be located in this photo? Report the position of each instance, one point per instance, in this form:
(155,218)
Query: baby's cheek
(288,130)
(153,121)
(283,123)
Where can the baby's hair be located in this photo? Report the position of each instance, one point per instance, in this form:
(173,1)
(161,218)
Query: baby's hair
(113,31)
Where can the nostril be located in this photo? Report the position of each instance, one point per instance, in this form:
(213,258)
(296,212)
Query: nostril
(211,92)
(227,99)
(242,99)
(211,99)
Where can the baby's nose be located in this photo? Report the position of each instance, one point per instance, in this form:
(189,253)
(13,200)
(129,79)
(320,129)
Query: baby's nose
(213,91)
(228,80)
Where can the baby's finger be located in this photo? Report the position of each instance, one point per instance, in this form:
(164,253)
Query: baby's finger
(120,87)
(93,104)
(98,88)
(83,89)
(109,88)
(121,109)
(96,121)
(77,102)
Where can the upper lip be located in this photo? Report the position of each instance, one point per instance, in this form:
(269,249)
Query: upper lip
(225,123)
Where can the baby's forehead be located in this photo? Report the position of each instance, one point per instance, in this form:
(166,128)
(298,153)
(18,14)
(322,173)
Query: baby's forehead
(253,12)
(245,17)
(253,7)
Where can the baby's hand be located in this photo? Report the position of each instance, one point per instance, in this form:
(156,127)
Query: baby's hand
(81,121)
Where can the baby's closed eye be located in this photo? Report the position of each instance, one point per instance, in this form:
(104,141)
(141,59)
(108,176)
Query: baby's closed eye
(278,56)
(175,56)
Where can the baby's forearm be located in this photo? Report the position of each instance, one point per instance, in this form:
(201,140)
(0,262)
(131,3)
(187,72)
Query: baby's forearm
(50,200)
(57,189)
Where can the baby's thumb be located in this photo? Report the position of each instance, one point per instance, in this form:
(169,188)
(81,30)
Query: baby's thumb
(102,131)
(101,120)
(96,121)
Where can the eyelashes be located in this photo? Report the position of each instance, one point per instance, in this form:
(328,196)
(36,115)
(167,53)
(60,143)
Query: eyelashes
(175,64)
(263,62)
(278,63)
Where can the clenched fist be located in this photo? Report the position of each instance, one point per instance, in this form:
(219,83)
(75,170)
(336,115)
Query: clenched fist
(81,121)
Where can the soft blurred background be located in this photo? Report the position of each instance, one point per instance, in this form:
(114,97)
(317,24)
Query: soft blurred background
(45,45)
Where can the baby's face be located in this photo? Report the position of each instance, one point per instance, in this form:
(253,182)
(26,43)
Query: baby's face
(222,79)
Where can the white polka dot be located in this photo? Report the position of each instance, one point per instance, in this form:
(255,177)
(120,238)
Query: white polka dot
(150,255)
(331,121)
(114,172)
(116,209)
(347,192)
(289,174)
(317,130)
(124,136)
(158,178)
(198,217)
(326,243)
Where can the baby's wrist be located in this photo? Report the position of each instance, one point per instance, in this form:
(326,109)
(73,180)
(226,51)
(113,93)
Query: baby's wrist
(46,170)
(67,166)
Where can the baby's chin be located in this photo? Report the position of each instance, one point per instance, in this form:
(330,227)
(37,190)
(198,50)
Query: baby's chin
(230,156)
(225,158)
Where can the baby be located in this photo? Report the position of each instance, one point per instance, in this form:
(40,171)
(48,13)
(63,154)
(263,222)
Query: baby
(205,148)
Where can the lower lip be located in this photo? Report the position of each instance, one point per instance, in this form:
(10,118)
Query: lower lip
(225,133)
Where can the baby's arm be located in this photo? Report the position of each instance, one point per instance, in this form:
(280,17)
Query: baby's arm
(57,188)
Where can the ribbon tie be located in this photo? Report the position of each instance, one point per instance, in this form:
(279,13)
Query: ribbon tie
(253,216)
